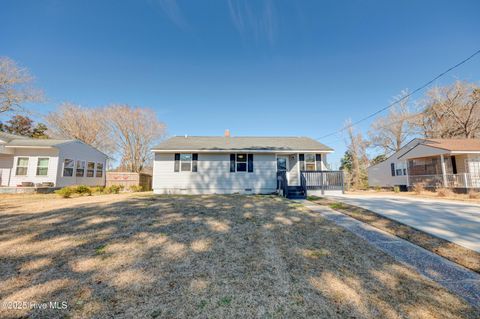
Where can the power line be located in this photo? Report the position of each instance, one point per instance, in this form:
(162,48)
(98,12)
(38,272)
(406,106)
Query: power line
(403,97)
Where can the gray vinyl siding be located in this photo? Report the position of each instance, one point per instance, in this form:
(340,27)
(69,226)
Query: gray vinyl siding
(380,174)
(6,164)
(33,154)
(71,150)
(80,152)
(214,175)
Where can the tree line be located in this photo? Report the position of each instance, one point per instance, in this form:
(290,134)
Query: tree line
(119,130)
(451,111)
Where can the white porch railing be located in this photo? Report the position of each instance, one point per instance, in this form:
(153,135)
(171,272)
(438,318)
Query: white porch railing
(463,180)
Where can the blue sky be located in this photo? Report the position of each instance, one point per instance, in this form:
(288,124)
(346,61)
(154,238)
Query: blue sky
(256,67)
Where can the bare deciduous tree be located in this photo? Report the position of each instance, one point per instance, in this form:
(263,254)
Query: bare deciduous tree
(391,132)
(15,86)
(85,124)
(451,111)
(359,161)
(134,131)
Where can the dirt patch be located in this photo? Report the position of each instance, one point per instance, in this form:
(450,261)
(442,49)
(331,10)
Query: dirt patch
(463,256)
(148,256)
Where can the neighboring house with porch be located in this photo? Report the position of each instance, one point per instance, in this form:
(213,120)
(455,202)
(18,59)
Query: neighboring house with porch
(28,162)
(435,163)
(227,165)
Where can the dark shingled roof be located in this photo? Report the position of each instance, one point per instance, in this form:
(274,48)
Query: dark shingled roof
(221,143)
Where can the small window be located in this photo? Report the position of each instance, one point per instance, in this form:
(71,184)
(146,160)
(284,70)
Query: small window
(186,162)
(405,171)
(68,165)
(80,169)
(90,169)
(241,162)
(22,166)
(310,162)
(99,171)
(42,166)
(392,169)
(399,172)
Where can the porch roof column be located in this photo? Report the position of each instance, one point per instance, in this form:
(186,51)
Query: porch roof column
(444,174)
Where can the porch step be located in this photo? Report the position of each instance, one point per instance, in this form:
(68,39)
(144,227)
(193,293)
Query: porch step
(296,196)
(295,188)
(295,192)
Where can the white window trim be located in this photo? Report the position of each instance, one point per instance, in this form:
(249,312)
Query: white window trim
(38,161)
(84,168)
(16,165)
(246,163)
(63,167)
(314,161)
(182,161)
(96,170)
(94,167)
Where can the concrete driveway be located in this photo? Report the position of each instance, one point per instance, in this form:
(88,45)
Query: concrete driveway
(454,221)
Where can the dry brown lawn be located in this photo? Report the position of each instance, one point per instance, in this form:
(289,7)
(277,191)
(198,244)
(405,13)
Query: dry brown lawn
(474,197)
(146,256)
(463,256)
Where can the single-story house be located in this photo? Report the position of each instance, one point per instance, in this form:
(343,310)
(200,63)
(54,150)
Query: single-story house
(451,163)
(226,165)
(31,162)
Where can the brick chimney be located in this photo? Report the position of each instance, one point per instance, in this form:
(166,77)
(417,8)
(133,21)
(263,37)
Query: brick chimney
(227,133)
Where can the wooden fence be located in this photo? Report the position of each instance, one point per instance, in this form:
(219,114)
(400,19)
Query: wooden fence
(128,179)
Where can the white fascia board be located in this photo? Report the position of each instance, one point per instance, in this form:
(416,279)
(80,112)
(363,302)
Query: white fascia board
(13,146)
(239,151)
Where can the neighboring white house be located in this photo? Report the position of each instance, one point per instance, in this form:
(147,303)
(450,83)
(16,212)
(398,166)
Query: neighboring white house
(225,165)
(58,163)
(452,163)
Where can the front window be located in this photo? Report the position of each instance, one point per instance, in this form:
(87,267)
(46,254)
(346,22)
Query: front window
(99,172)
(310,162)
(22,166)
(90,169)
(80,168)
(42,166)
(186,162)
(68,165)
(241,162)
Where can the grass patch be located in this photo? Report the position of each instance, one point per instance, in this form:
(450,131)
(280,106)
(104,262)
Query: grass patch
(225,301)
(319,253)
(338,206)
(202,304)
(100,250)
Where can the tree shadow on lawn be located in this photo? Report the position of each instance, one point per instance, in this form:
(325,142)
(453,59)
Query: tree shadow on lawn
(205,256)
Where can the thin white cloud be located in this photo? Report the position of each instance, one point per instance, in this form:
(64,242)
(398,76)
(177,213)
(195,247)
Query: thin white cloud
(173,12)
(256,19)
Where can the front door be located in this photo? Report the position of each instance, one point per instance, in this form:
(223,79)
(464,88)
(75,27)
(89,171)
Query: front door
(293,178)
(288,164)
